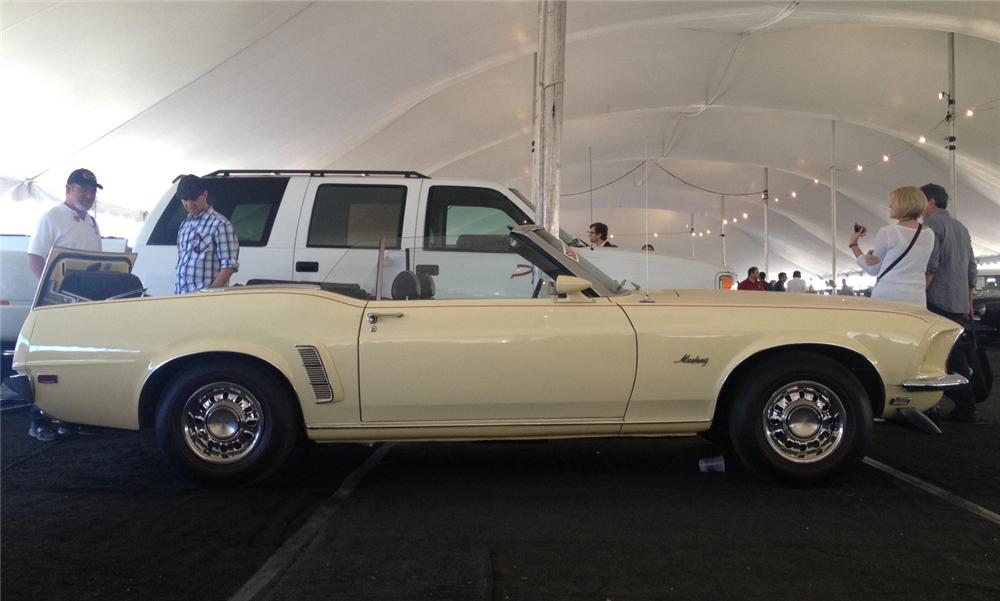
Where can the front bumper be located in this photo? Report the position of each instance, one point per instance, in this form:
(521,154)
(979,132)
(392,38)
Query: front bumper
(935,383)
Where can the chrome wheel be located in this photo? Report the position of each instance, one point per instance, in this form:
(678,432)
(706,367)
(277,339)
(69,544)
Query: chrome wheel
(804,421)
(222,422)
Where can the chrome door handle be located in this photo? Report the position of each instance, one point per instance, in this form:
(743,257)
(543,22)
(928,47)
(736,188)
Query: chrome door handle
(374,317)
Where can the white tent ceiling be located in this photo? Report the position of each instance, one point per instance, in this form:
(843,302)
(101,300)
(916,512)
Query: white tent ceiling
(140,92)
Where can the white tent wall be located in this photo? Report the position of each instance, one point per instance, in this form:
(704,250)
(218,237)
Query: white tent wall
(140,92)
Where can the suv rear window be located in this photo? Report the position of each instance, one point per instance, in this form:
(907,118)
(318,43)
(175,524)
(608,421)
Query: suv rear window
(249,203)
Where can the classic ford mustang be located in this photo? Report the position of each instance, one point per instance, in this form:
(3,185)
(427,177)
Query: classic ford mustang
(232,379)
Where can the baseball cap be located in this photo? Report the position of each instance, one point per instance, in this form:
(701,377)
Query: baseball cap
(190,187)
(85,178)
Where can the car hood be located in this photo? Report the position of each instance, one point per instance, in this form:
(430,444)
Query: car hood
(724,298)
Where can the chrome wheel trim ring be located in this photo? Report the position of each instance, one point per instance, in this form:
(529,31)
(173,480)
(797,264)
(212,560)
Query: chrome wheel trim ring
(804,421)
(222,422)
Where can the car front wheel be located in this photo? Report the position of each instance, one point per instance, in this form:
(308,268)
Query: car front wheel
(226,423)
(800,419)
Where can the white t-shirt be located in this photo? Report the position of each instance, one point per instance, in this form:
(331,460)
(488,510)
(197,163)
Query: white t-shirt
(62,226)
(906,282)
(795,285)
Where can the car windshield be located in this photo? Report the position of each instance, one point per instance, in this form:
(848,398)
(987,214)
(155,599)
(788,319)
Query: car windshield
(590,271)
(520,264)
(565,236)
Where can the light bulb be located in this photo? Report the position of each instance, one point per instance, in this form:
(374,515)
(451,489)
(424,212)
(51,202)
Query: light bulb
(693,234)
(655,235)
(734,220)
(725,222)
(700,234)
(940,95)
(815,181)
(709,232)
(885,158)
(794,195)
(922,140)
(968,112)
(744,215)
(860,167)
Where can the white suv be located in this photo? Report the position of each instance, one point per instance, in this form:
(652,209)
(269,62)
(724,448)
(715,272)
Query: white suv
(299,224)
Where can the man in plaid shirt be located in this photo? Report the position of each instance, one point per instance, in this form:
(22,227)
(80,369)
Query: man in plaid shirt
(207,248)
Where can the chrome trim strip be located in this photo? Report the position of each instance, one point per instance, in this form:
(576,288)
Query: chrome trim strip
(316,371)
(494,423)
(935,383)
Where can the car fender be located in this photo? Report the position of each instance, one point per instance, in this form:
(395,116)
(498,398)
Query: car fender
(287,362)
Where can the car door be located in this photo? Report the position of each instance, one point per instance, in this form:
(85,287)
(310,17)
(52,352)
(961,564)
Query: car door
(342,223)
(464,229)
(495,360)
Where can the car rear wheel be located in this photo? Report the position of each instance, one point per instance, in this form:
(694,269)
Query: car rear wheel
(800,418)
(226,423)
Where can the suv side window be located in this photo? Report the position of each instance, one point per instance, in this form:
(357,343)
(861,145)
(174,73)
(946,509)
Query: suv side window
(249,203)
(357,216)
(469,219)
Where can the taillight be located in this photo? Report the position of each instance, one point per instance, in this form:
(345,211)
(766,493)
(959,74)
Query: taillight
(725,282)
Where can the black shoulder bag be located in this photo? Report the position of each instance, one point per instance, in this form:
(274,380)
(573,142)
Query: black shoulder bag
(920,226)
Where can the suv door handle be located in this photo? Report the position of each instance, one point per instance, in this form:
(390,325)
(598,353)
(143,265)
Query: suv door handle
(307,266)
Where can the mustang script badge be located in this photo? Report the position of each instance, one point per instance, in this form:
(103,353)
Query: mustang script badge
(697,360)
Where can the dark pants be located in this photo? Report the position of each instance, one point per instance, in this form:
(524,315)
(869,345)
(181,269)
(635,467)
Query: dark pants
(958,363)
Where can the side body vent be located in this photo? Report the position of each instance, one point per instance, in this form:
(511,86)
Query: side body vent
(317,373)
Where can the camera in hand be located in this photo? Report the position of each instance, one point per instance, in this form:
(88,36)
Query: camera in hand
(859,228)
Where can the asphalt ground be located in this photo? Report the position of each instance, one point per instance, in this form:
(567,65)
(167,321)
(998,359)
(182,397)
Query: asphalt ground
(103,517)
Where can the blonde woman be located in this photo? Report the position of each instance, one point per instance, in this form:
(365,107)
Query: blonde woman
(901,251)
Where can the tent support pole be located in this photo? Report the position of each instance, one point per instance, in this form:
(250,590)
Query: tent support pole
(953,203)
(722,218)
(833,202)
(549,77)
(691,229)
(767,206)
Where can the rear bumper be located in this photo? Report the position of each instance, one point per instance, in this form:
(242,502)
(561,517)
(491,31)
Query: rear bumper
(21,384)
(935,383)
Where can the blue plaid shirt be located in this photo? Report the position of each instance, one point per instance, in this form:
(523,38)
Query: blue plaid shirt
(206,244)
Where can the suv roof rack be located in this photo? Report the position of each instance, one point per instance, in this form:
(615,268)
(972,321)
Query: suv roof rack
(315,172)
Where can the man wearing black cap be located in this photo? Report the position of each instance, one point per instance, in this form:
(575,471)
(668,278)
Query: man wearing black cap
(67,225)
(207,248)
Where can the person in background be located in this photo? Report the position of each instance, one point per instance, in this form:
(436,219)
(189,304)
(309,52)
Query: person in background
(648,248)
(762,278)
(779,286)
(68,225)
(207,248)
(796,284)
(752,282)
(845,290)
(901,251)
(951,279)
(598,234)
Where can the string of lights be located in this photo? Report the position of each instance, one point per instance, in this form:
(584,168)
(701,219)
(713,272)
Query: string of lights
(614,181)
(883,159)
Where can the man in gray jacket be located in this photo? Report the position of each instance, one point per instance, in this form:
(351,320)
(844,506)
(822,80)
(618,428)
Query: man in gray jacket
(951,278)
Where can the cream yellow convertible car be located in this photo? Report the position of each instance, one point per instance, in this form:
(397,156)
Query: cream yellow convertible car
(233,379)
